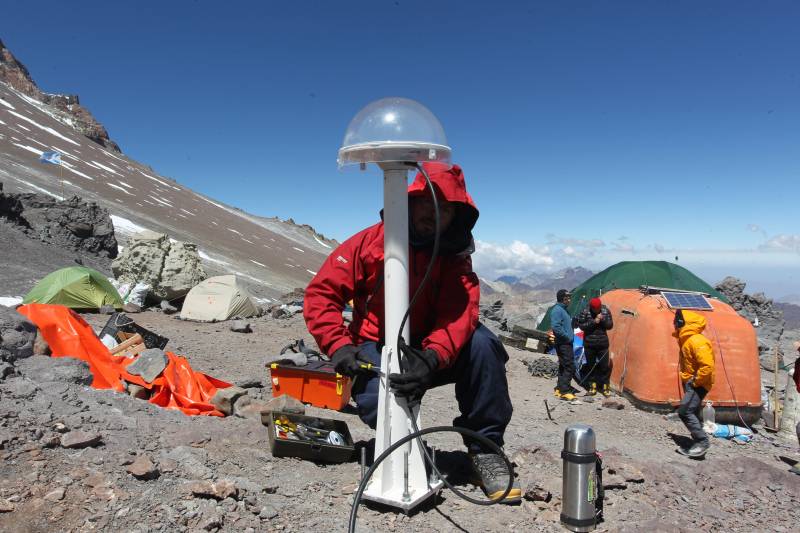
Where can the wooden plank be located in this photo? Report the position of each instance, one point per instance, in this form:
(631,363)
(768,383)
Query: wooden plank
(130,351)
(532,333)
(133,340)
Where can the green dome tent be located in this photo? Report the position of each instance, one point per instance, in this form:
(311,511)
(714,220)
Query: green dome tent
(632,275)
(75,287)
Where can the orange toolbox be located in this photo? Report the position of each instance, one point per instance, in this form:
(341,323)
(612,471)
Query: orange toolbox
(316,383)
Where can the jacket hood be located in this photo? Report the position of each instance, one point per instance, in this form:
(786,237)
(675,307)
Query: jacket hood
(450,185)
(695,323)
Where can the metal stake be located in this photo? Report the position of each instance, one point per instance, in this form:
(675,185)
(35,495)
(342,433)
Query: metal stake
(363,462)
(406,494)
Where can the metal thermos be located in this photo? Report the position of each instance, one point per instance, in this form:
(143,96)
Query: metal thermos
(580,491)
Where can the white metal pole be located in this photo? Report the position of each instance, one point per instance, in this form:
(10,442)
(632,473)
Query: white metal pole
(387,484)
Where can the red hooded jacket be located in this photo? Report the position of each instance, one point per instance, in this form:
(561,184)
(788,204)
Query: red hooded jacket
(446,312)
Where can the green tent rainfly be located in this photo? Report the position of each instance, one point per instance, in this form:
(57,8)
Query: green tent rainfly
(632,275)
(75,287)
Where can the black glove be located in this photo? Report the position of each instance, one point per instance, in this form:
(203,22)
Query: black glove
(419,367)
(347,360)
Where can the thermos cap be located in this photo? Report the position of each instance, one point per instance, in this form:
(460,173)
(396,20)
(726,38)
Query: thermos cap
(579,438)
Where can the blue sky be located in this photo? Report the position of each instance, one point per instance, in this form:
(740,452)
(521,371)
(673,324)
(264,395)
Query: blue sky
(589,132)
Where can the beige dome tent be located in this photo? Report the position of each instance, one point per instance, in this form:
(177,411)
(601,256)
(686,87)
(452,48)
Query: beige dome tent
(218,298)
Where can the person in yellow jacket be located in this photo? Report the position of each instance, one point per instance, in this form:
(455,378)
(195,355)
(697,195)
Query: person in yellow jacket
(697,376)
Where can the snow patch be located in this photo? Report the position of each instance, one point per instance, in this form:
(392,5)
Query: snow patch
(164,183)
(10,301)
(28,148)
(322,243)
(23,127)
(37,188)
(207,257)
(49,130)
(299,249)
(311,272)
(105,167)
(78,172)
(259,264)
(161,201)
(115,186)
(123,225)
(2,101)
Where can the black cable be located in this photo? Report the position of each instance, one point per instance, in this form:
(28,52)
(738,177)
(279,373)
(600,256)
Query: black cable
(434,252)
(417,433)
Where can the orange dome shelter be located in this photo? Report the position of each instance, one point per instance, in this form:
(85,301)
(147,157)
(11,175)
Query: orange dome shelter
(644,355)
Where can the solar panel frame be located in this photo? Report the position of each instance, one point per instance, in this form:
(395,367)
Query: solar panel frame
(687,300)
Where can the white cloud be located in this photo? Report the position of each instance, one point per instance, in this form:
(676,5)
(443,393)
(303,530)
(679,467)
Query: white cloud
(782,243)
(755,228)
(623,247)
(573,242)
(518,258)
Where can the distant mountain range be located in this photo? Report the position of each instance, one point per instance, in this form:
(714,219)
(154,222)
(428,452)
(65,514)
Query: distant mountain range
(541,282)
(567,278)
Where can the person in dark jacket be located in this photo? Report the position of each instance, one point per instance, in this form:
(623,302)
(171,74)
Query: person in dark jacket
(447,344)
(561,323)
(595,321)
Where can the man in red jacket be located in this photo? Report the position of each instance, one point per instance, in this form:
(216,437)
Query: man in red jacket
(448,344)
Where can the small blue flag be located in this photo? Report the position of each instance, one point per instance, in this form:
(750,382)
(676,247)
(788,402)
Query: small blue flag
(54,158)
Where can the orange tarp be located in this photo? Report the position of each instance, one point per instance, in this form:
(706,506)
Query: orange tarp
(178,387)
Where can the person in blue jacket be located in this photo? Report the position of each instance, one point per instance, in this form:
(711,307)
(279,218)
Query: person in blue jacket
(561,323)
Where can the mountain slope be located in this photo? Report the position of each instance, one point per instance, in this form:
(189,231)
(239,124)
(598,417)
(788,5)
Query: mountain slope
(274,256)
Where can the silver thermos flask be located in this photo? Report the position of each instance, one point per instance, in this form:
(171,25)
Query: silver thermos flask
(581,495)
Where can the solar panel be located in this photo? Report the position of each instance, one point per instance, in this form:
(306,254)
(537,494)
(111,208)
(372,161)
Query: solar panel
(687,300)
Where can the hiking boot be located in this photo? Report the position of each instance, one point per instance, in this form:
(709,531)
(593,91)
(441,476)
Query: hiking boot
(698,449)
(491,474)
(568,396)
(606,390)
(592,390)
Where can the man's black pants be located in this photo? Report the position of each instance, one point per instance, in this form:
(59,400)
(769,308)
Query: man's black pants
(596,367)
(479,374)
(566,367)
(689,411)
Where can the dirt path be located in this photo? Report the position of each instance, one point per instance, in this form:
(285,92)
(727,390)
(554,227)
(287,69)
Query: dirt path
(46,487)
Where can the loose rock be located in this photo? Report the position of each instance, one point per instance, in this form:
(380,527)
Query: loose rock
(219,491)
(613,404)
(55,495)
(241,326)
(45,369)
(149,365)
(80,439)
(225,398)
(16,335)
(286,404)
(143,468)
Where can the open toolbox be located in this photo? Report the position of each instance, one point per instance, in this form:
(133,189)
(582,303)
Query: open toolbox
(309,437)
(317,383)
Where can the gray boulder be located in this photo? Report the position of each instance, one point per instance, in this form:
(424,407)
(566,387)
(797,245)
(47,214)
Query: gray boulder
(71,223)
(170,267)
(44,369)
(149,365)
(16,335)
(758,309)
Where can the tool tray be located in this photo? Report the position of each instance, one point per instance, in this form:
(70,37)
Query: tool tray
(316,383)
(282,446)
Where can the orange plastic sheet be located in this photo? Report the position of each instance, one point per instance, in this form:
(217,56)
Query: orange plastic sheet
(178,387)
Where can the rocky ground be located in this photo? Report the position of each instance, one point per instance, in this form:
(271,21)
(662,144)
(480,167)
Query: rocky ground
(77,459)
